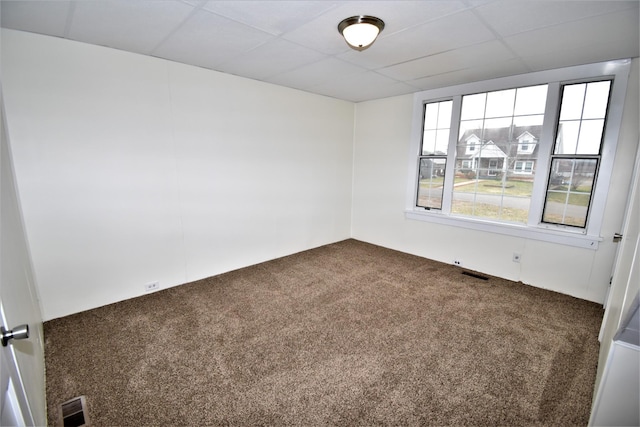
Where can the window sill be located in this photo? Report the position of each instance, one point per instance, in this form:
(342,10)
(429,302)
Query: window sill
(569,238)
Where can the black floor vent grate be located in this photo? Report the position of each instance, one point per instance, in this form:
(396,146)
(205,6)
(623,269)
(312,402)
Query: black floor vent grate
(475,275)
(73,413)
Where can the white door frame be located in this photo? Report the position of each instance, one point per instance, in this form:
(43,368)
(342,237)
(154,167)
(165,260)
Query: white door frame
(623,288)
(615,310)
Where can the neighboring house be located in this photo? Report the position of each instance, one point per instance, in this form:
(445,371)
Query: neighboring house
(491,152)
(431,169)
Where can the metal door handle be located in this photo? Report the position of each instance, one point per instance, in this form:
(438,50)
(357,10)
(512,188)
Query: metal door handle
(18,333)
(617,237)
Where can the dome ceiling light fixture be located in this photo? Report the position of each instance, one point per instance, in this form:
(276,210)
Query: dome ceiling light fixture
(360,31)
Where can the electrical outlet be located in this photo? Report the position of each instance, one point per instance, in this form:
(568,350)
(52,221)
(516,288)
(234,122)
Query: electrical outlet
(457,262)
(516,257)
(153,286)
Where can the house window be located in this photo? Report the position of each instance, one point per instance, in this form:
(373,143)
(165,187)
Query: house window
(526,143)
(529,155)
(523,167)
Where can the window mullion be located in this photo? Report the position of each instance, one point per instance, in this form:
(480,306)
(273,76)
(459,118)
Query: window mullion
(547,140)
(451,154)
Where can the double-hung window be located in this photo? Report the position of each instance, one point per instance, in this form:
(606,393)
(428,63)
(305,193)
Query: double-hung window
(528,155)
(576,152)
(433,154)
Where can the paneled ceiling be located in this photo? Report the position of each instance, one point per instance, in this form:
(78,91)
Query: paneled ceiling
(426,44)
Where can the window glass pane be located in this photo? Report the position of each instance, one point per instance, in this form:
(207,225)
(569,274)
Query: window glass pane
(431,116)
(584,107)
(428,141)
(590,137)
(569,191)
(572,101)
(500,103)
(442,141)
(430,182)
(437,121)
(567,139)
(444,114)
(432,163)
(437,115)
(500,123)
(532,120)
(467,125)
(531,100)
(496,156)
(473,106)
(435,142)
(596,100)
(507,207)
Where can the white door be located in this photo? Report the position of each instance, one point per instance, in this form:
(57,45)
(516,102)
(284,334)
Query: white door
(22,393)
(13,403)
(624,285)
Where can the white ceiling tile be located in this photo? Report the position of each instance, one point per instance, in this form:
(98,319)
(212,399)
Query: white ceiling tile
(510,17)
(321,34)
(363,86)
(451,61)
(196,3)
(274,57)
(423,40)
(315,74)
(477,73)
(548,62)
(593,39)
(43,17)
(272,17)
(571,57)
(208,40)
(476,3)
(136,26)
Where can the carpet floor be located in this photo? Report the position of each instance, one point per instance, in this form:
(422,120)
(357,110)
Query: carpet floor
(348,334)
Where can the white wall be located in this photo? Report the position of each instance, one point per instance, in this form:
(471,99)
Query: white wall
(383,132)
(133,169)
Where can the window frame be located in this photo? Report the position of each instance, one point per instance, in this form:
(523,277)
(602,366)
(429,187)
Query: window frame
(587,237)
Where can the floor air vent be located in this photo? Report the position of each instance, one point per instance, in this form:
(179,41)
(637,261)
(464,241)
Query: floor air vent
(74,413)
(476,275)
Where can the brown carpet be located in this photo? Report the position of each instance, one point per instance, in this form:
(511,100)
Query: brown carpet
(347,334)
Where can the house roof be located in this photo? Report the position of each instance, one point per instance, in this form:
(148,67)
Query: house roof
(488,150)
